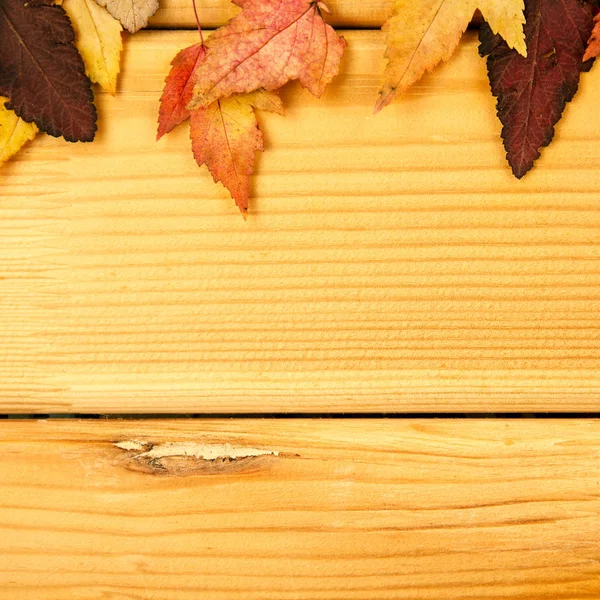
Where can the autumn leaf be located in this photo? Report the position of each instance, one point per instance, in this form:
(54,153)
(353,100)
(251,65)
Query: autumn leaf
(14,132)
(218,85)
(593,48)
(422,33)
(269,43)
(41,71)
(532,91)
(225,137)
(133,14)
(179,86)
(98,39)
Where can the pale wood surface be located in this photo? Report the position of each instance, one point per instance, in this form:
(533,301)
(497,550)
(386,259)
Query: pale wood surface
(360,14)
(364,510)
(389,262)
(357,14)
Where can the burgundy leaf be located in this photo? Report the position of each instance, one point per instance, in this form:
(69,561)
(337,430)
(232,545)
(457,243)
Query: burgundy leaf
(41,71)
(532,92)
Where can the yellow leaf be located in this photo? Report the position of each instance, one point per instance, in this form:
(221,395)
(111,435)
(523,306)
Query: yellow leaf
(98,39)
(422,33)
(14,132)
(506,17)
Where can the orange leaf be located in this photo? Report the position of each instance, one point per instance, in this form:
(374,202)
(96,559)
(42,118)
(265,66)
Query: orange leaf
(178,89)
(269,43)
(225,136)
(593,48)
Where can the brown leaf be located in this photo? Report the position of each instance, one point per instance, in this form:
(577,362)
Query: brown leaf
(532,92)
(41,71)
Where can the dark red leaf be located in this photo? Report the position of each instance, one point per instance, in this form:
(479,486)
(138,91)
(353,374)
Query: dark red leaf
(532,92)
(41,71)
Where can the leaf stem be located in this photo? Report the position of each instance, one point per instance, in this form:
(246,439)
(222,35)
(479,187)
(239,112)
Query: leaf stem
(198,22)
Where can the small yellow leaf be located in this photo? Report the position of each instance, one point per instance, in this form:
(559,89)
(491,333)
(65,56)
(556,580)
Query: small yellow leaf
(507,19)
(422,33)
(98,39)
(263,100)
(14,132)
(133,14)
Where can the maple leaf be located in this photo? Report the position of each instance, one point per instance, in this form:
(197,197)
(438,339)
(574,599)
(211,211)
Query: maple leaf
(179,86)
(532,91)
(593,48)
(14,132)
(41,71)
(225,136)
(98,39)
(422,33)
(133,14)
(269,43)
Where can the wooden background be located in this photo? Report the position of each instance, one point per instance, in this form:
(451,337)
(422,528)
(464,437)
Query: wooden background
(389,263)
(333,510)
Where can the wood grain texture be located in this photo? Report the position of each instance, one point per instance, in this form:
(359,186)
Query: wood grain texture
(364,510)
(359,14)
(389,262)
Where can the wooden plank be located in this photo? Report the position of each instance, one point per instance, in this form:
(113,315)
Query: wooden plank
(356,14)
(342,509)
(389,262)
(359,14)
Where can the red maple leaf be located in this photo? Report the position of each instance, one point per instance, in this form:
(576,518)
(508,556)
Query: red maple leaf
(532,92)
(220,83)
(179,86)
(268,44)
(225,135)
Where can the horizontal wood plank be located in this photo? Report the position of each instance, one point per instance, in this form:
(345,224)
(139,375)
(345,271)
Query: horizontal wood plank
(359,14)
(389,262)
(306,510)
